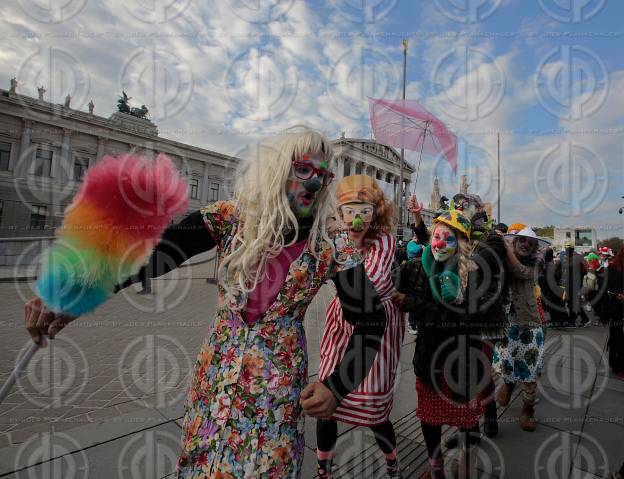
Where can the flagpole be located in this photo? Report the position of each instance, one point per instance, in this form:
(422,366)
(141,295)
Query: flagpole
(499,196)
(401,193)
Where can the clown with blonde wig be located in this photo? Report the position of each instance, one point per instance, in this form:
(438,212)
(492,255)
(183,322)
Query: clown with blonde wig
(244,407)
(369,217)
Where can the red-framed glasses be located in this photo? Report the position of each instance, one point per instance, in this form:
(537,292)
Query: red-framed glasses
(304,171)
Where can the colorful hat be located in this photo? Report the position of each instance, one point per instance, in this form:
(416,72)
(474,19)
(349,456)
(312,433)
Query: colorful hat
(455,220)
(357,188)
(527,232)
(515,227)
(592,256)
(605,250)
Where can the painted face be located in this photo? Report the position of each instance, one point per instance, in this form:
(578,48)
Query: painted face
(308,175)
(525,246)
(358,217)
(443,243)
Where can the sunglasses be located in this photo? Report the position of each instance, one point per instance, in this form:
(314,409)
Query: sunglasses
(305,171)
(349,213)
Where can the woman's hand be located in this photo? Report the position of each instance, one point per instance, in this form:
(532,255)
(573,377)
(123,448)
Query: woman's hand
(41,321)
(397,299)
(415,208)
(318,401)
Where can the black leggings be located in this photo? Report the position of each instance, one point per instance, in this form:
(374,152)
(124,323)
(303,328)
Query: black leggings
(616,348)
(433,438)
(327,434)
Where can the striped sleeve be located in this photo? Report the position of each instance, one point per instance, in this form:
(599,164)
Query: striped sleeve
(378,263)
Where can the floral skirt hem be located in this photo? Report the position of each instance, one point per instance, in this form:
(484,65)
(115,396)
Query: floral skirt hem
(519,356)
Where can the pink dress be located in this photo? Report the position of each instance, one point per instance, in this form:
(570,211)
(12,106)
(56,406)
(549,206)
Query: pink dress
(372,401)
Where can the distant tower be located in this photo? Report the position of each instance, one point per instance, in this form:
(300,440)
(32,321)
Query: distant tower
(463,184)
(434,202)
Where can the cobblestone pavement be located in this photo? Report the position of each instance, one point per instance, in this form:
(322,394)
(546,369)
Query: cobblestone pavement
(105,398)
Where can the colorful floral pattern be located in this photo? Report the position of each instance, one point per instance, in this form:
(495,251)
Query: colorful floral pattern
(518,357)
(243,418)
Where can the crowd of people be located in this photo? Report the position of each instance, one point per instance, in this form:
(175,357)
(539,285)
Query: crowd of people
(469,287)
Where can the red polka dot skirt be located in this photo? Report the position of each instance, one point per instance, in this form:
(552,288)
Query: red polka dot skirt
(439,407)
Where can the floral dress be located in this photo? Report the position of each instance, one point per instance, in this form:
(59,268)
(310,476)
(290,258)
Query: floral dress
(243,418)
(518,357)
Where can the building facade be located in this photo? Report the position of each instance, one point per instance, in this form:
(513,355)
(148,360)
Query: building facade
(584,239)
(45,150)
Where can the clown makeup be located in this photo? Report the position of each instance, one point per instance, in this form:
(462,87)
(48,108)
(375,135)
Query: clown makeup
(443,243)
(358,217)
(308,175)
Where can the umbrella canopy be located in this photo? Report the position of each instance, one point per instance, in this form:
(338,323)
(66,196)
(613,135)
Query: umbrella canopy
(407,124)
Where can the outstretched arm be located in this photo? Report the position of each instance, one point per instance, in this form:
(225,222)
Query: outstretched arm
(179,242)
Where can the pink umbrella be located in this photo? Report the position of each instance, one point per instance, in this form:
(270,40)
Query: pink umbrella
(406,124)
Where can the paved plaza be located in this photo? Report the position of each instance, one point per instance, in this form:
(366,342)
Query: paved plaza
(105,399)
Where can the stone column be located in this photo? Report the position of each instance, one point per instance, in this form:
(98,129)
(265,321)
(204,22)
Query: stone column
(205,186)
(25,155)
(352,167)
(340,168)
(63,169)
(100,148)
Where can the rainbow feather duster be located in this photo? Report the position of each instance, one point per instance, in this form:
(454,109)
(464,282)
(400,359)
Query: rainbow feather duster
(109,230)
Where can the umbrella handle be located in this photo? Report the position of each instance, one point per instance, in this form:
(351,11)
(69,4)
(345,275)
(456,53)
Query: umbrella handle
(21,365)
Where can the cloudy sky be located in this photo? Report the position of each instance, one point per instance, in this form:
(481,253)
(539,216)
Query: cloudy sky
(548,75)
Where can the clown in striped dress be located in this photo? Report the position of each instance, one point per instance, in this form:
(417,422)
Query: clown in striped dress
(368,214)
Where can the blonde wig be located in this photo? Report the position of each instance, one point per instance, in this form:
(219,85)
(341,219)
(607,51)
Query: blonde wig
(264,212)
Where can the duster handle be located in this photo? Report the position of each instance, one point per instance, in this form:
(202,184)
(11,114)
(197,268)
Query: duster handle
(20,366)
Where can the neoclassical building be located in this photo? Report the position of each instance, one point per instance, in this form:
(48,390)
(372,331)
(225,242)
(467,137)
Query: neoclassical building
(46,148)
(357,156)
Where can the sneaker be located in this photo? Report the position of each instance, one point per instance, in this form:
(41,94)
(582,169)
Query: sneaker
(324,469)
(393,470)
(412,331)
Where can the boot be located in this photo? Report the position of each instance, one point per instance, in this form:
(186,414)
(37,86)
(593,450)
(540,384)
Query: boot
(435,470)
(490,420)
(527,420)
(503,394)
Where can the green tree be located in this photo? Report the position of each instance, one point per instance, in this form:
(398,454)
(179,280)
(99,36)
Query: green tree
(545,231)
(614,243)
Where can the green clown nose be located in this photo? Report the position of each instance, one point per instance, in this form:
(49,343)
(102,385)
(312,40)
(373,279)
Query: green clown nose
(357,223)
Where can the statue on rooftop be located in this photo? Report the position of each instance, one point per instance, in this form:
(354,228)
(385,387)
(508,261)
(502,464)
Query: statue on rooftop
(123,103)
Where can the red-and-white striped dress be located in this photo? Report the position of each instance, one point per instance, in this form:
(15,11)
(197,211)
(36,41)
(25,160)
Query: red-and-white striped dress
(372,401)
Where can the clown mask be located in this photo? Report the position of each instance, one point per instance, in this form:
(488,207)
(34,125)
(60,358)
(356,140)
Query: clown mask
(358,217)
(308,175)
(443,243)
